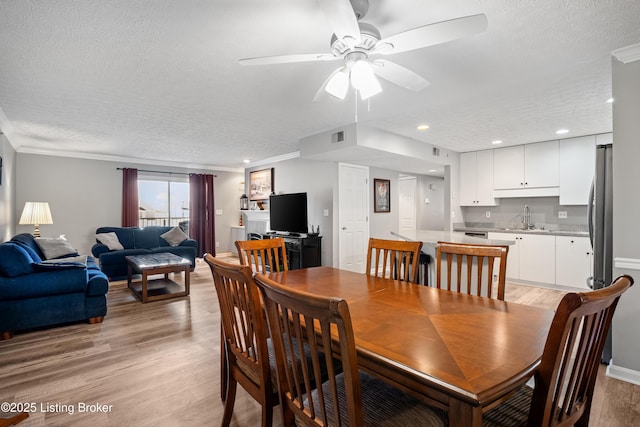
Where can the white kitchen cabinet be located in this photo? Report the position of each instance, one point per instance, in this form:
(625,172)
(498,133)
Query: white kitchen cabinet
(476,179)
(577,166)
(526,166)
(532,258)
(574,261)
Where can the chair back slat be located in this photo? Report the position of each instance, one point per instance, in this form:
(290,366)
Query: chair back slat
(566,378)
(263,255)
(324,324)
(469,259)
(394,259)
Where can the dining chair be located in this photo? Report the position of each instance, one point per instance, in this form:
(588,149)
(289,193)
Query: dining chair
(470,268)
(348,396)
(565,380)
(244,338)
(7,419)
(263,255)
(395,259)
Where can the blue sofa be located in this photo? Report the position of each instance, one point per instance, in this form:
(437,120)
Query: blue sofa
(138,241)
(35,292)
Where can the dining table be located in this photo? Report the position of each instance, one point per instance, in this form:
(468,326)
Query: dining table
(458,352)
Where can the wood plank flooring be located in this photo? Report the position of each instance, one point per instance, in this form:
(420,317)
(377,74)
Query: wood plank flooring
(159,364)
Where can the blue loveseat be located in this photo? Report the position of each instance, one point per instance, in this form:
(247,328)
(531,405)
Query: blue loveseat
(35,292)
(138,241)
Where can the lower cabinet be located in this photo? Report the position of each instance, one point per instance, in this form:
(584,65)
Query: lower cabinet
(574,261)
(532,258)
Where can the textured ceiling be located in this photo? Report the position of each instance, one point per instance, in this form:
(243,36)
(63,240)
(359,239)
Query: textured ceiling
(160,80)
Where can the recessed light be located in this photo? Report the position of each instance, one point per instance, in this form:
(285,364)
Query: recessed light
(422,127)
(562,131)
(246,161)
(433,170)
(610,100)
(497,141)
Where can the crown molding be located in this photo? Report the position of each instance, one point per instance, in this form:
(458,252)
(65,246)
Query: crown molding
(109,158)
(627,54)
(288,156)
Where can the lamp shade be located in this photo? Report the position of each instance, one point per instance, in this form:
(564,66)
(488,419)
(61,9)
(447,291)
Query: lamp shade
(36,213)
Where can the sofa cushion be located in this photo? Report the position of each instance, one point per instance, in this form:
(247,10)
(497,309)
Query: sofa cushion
(14,260)
(29,242)
(55,247)
(110,240)
(46,283)
(174,237)
(146,239)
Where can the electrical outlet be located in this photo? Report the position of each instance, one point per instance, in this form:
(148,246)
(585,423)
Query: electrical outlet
(562,214)
(488,214)
(217,244)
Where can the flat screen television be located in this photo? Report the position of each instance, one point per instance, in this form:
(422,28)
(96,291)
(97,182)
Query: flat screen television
(288,213)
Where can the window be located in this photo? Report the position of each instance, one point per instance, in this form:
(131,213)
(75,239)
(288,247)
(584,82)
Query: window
(163,201)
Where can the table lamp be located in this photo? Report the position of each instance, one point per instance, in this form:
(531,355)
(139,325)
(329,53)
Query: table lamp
(36,213)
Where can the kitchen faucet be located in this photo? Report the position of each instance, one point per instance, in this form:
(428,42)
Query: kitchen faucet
(526,217)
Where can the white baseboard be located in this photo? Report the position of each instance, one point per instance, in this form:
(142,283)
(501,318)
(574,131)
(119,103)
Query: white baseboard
(623,374)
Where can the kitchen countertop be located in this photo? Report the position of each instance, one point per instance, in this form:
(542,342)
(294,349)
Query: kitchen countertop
(430,238)
(516,231)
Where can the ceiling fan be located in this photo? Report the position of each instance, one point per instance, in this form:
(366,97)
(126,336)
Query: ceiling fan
(355,42)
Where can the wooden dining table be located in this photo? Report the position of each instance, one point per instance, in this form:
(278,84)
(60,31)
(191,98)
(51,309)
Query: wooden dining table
(455,351)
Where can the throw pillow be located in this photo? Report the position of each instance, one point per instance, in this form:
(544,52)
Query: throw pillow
(175,236)
(55,247)
(14,260)
(110,240)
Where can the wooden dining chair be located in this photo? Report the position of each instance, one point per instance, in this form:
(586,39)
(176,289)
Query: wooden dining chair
(565,380)
(348,397)
(470,268)
(7,420)
(244,338)
(395,259)
(263,255)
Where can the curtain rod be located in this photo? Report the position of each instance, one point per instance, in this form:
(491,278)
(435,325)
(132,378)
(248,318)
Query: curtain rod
(170,173)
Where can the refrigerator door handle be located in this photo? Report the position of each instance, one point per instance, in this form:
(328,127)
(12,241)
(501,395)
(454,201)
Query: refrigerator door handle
(590,209)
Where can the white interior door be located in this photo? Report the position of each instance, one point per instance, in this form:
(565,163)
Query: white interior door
(353,217)
(407,186)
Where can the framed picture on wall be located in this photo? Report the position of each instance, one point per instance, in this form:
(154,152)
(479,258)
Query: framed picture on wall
(260,184)
(381,195)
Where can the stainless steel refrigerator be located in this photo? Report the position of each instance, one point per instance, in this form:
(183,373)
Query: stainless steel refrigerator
(600,216)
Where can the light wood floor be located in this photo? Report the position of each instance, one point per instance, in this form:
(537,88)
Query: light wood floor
(158,364)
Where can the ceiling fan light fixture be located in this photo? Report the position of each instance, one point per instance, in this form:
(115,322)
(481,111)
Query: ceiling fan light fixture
(338,85)
(364,80)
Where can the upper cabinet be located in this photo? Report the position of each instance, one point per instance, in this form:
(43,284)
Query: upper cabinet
(577,166)
(476,179)
(530,170)
(526,166)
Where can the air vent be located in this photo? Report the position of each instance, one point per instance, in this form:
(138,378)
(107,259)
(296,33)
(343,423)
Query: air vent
(435,151)
(337,137)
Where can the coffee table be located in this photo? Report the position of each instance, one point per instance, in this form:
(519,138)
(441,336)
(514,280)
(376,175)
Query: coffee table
(153,264)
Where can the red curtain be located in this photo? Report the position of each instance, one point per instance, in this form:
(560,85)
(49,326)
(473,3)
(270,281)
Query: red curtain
(130,208)
(201,212)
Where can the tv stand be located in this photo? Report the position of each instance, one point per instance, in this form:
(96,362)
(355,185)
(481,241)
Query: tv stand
(303,250)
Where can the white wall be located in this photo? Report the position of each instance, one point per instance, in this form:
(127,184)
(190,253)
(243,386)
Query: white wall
(431,216)
(85,194)
(7,189)
(626,205)
(317,179)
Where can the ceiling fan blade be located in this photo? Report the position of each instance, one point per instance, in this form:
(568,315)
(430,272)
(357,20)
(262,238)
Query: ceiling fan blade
(285,59)
(399,75)
(432,34)
(342,19)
